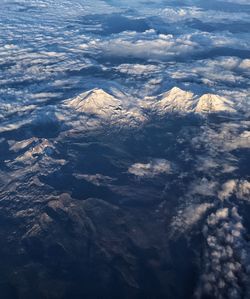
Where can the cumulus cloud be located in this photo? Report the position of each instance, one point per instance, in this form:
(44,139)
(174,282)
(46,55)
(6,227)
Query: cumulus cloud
(45,54)
(203,187)
(35,63)
(178,14)
(154,46)
(236,1)
(226,137)
(149,170)
(239,188)
(227,189)
(225,71)
(138,69)
(245,65)
(215,164)
(190,216)
(243,190)
(62,58)
(226,256)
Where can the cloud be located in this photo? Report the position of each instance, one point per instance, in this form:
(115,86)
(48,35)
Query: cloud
(219,73)
(215,164)
(182,14)
(226,256)
(243,190)
(245,2)
(203,187)
(188,217)
(58,57)
(138,69)
(154,46)
(227,189)
(245,65)
(239,188)
(226,137)
(49,56)
(149,170)
(96,179)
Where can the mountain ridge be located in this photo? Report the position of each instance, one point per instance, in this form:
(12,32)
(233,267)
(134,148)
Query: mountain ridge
(99,102)
(97,107)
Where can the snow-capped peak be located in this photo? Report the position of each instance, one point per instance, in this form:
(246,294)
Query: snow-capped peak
(95,101)
(110,109)
(178,100)
(176,92)
(214,103)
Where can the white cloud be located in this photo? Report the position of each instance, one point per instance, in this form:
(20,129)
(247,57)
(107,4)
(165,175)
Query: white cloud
(215,164)
(227,189)
(246,2)
(180,14)
(226,257)
(188,217)
(149,170)
(243,190)
(138,69)
(227,71)
(239,188)
(245,65)
(226,137)
(203,187)
(151,45)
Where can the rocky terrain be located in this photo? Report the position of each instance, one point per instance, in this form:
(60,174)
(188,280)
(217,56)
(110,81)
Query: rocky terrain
(90,212)
(124,149)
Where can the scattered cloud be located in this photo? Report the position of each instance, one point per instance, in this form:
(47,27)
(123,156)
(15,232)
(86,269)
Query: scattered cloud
(154,46)
(138,69)
(226,258)
(239,188)
(226,137)
(96,179)
(151,169)
(204,187)
(190,216)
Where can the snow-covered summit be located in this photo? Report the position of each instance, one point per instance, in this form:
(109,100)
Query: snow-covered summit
(178,100)
(214,103)
(119,111)
(95,101)
(106,109)
(175,99)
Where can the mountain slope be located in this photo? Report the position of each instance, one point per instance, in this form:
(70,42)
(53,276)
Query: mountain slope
(105,108)
(175,99)
(96,107)
(178,100)
(96,102)
(213,103)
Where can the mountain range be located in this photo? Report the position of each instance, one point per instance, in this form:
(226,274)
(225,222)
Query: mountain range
(98,106)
